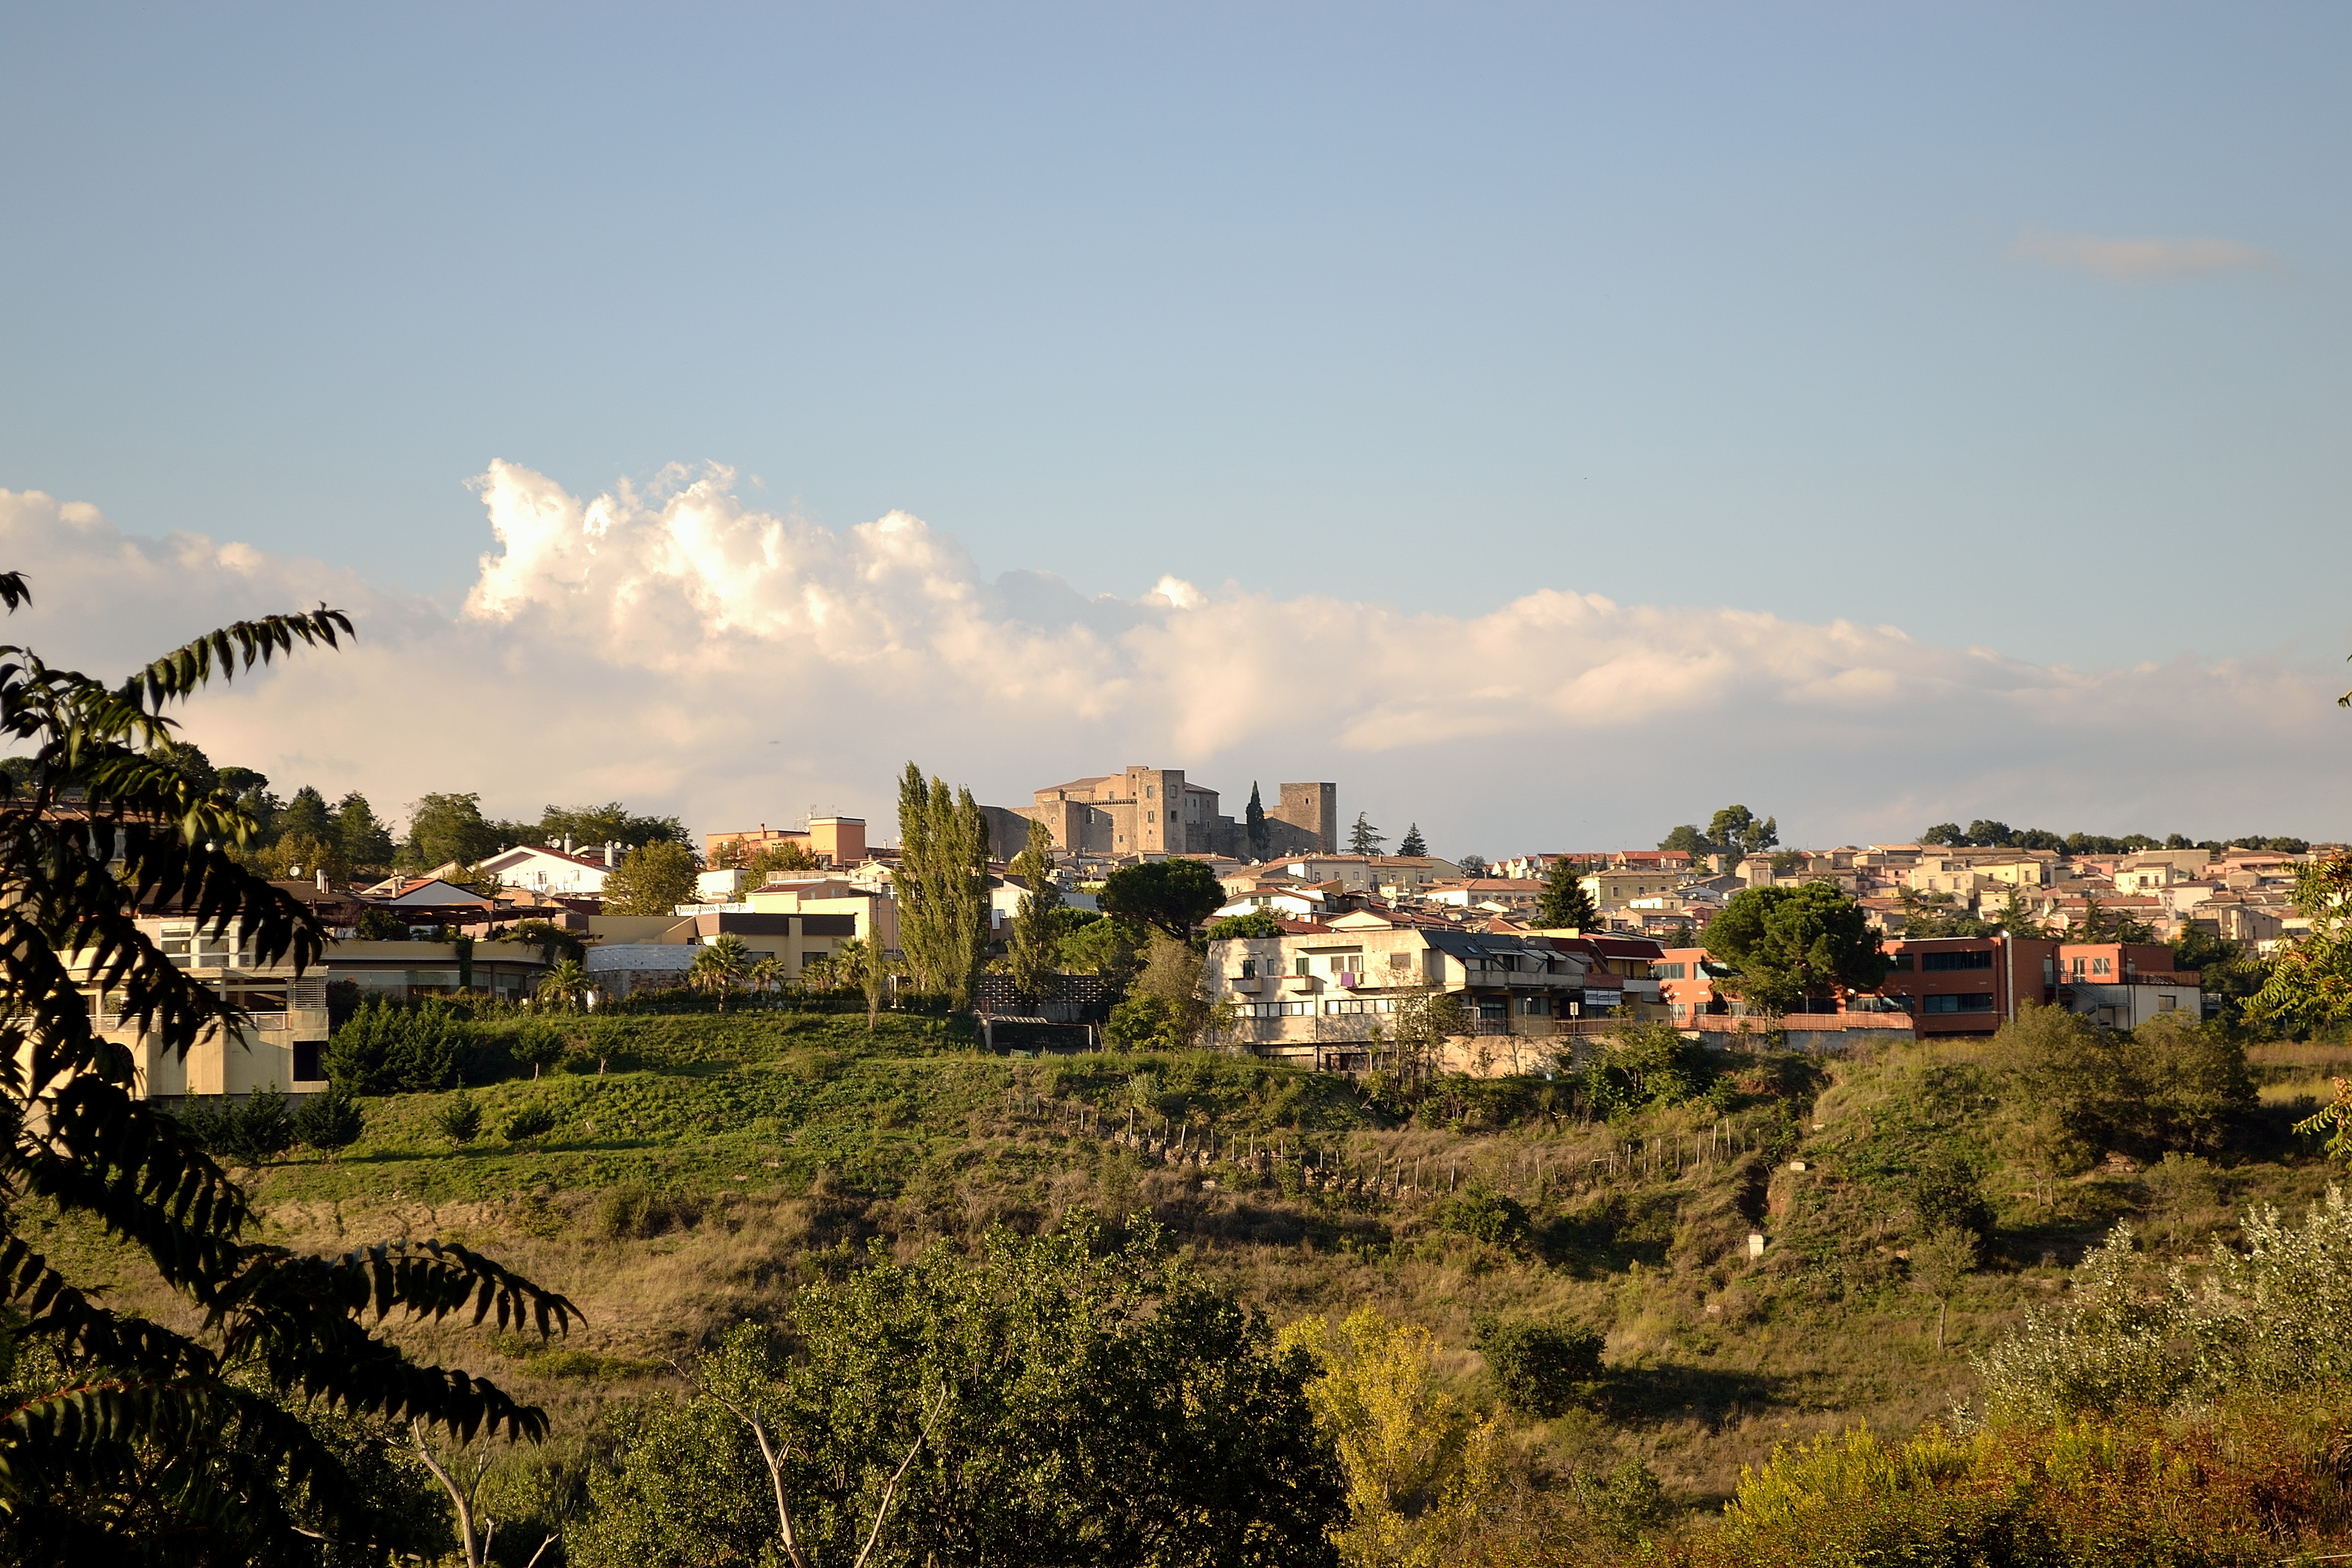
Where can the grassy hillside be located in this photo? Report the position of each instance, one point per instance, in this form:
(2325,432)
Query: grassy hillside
(698,1168)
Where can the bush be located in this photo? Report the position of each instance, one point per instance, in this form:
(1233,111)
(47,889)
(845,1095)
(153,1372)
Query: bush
(460,1119)
(1143,1024)
(250,1133)
(392,1047)
(1945,1196)
(330,1120)
(528,1120)
(1540,1369)
(1646,1065)
(633,1212)
(1484,1214)
(2176,1084)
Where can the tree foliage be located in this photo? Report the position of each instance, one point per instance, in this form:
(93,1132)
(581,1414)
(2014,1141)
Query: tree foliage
(202,1427)
(1085,1404)
(1540,1367)
(1256,924)
(942,885)
(1036,930)
(395,1048)
(1413,843)
(2173,1083)
(651,879)
(1364,839)
(1789,944)
(1566,905)
(1261,841)
(1418,1465)
(1168,896)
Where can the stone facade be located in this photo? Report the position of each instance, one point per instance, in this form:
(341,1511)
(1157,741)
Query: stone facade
(1158,811)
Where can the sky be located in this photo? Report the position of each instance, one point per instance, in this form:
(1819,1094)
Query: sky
(1549,423)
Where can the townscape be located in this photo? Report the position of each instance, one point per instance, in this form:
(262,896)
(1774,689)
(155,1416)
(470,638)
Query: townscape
(1550,1198)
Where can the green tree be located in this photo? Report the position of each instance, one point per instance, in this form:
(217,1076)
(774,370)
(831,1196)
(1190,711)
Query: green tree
(1940,1260)
(1412,844)
(1168,895)
(366,842)
(1036,930)
(1540,1368)
(1364,839)
(651,879)
(1948,833)
(122,1431)
(1736,827)
(864,965)
(1256,924)
(1691,842)
(2310,980)
(1054,1400)
(377,923)
(449,829)
(1792,944)
(393,1048)
(941,882)
(1261,841)
(720,966)
(460,1119)
(306,815)
(330,1120)
(612,823)
(562,986)
(1566,905)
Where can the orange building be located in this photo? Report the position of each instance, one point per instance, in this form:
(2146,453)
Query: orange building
(837,842)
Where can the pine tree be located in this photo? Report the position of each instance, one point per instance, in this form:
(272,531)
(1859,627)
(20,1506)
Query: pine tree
(1260,840)
(1566,905)
(1364,839)
(1413,844)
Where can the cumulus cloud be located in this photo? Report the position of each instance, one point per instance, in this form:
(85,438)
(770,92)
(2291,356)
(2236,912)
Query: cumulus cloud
(2136,259)
(671,646)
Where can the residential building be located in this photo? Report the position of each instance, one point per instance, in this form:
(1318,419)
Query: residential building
(547,869)
(837,843)
(1617,889)
(1969,985)
(1326,998)
(402,970)
(1497,893)
(283,1043)
(2125,984)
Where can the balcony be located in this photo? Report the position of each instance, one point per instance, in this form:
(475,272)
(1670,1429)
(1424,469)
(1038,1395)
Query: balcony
(1247,984)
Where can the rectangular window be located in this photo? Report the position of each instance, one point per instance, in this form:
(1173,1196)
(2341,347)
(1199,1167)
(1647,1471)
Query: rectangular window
(1977,1004)
(1534,1008)
(1493,1008)
(1934,962)
(1898,964)
(1669,971)
(1399,961)
(2168,1002)
(1249,969)
(2103,966)
(2078,966)
(1303,961)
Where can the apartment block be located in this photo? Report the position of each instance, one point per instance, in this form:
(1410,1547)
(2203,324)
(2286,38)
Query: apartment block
(282,1044)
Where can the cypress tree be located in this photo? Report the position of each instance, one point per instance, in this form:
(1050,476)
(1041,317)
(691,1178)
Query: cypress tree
(1260,840)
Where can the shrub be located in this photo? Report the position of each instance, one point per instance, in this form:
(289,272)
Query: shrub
(1646,1065)
(1540,1369)
(1945,1196)
(460,1119)
(634,1212)
(330,1120)
(530,1119)
(1484,1214)
(391,1047)
(249,1133)
(2175,1084)
(1621,1507)
(1143,1024)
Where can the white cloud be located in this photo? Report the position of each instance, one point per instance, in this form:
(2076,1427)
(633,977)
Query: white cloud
(675,648)
(2137,259)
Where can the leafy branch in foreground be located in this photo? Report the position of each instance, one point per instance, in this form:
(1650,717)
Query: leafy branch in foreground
(99,824)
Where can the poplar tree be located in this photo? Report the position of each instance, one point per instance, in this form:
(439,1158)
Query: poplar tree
(941,884)
(1034,929)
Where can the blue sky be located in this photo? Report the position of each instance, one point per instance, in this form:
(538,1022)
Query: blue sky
(2021,326)
(1690,304)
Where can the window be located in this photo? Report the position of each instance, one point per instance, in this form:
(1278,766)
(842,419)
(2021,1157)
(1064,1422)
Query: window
(306,1061)
(1303,961)
(1249,969)
(1276,1009)
(1148,792)
(1934,962)
(1493,1008)
(1898,964)
(2168,1002)
(2078,966)
(1399,961)
(809,958)
(1150,816)
(1534,1008)
(1669,971)
(1361,1004)
(2103,966)
(1980,1002)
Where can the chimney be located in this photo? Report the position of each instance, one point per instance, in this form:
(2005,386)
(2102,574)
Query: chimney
(608,856)
(323,880)
(567,844)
